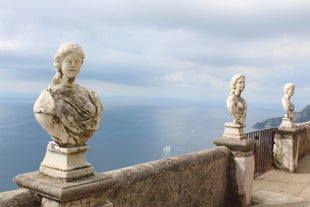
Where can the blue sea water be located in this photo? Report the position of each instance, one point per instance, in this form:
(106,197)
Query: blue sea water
(129,133)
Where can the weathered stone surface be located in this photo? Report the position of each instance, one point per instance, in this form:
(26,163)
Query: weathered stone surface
(244,177)
(304,139)
(234,131)
(285,150)
(244,145)
(236,105)
(18,198)
(70,113)
(286,123)
(62,191)
(196,179)
(91,201)
(67,163)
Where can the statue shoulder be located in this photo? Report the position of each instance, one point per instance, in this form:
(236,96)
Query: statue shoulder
(94,97)
(97,101)
(231,99)
(44,103)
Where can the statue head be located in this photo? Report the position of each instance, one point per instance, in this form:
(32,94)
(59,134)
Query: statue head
(237,83)
(66,49)
(289,89)
(71,51)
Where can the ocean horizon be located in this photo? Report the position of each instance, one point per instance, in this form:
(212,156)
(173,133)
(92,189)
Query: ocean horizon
(131,132)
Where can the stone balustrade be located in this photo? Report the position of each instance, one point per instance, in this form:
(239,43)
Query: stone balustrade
(202,177)
(195,179)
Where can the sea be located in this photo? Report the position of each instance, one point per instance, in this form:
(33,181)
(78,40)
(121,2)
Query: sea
(131,131)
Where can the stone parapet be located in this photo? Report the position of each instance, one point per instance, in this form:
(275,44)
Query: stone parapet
(19,198)
(194,179)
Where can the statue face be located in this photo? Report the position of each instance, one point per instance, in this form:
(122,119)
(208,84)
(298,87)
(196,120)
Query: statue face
(290,91)
(240,85)
(71,65)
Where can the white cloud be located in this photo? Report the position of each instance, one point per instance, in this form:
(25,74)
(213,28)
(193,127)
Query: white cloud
(7,45)
(106,89)
(182,47)
(18,87)
(193,78)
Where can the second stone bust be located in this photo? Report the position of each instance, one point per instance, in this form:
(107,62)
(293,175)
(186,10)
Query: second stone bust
(287,105)
(236,105)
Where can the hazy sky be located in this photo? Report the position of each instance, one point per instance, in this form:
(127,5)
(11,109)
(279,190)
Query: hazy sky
(161,48)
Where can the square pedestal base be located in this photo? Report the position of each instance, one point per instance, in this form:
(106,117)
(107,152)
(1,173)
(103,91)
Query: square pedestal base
(234,131)
(286,123)
(67,163)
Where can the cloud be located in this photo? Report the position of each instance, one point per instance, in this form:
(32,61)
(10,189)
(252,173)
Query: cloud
(187,49)
(7,45)
(191,78)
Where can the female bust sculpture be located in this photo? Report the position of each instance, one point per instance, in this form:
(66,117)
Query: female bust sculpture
(287,105)
(70,113)
(236,105)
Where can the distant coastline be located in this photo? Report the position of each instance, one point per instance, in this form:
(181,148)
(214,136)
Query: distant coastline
(300,116)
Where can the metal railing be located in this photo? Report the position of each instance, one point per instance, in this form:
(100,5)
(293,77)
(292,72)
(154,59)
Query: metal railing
(263,150)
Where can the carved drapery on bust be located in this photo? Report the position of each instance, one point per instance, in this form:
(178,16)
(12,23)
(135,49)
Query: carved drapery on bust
(236,105)
(70,113)
(287,105)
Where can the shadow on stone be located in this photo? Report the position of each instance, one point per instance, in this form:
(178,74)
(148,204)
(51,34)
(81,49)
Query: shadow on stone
(232,197)
(304,165)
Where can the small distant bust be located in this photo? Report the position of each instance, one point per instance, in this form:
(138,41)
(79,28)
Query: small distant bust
(70,113)
(287,105)
(236,105)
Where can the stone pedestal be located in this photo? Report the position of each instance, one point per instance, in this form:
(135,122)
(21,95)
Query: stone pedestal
(89,191)
(67,163)
(286,123)
(234,131)
(242,166)
(285,150)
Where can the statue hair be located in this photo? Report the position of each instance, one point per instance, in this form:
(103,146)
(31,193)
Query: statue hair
(287,87)
(233,82)
(64,50)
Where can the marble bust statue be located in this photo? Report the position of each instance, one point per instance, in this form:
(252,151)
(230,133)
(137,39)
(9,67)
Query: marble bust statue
(236,105)
(287,105)
(70,113)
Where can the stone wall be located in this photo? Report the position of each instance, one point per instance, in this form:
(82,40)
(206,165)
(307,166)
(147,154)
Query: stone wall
(195,179)
(19,198)
(304,139)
